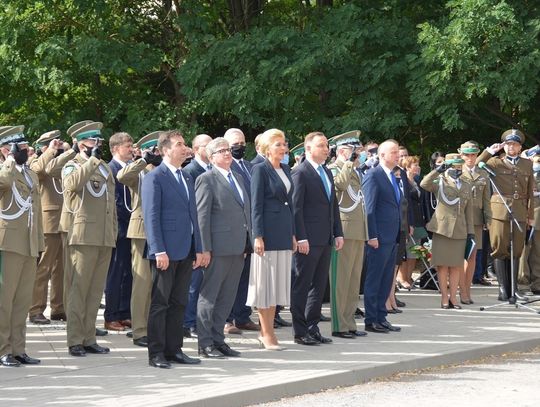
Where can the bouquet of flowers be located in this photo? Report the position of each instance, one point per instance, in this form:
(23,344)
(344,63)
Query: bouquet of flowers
(422,251)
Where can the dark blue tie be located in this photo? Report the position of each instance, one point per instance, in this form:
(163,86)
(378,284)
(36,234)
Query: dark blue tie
(235,190)
(183,189)
(396,187)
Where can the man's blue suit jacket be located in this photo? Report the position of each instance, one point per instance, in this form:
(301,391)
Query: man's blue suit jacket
(168,216)
(382,208)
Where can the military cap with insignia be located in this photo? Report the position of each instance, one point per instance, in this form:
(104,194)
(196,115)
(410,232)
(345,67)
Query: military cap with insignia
(90,130)
(148,141)
(298,150)
(12,134)
(350,139)
(453,159)
(513,135)
(469,148)
(46,138)
(77,126)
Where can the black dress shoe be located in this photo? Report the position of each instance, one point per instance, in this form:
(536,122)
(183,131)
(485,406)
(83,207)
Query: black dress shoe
(77,350)
(210,352)
(377,328)
(142,341)
(159,361)
(129,334)
(324,318)
(101,332)
(345,335)
(183,359)
(9,360)
(400,304)
(359,314)
(61,316)
(358,333)
(319,338)
(281,322)
(186,333)
(27,360)
(95,348)
(305,340)
(227,351)
(390,327)
(39,319)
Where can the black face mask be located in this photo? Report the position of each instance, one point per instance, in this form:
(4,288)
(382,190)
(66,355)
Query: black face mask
(87,150)
(238,151)
(21,156)
(454,173)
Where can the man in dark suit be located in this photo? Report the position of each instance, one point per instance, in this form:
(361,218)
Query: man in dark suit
(259,158)
(119,279)
(382,196)
(240,313)
(198,166)
(224,216)
(174,248)
(318,227)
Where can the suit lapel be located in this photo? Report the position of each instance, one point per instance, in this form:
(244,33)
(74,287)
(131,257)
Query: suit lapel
(388,184)
(277,183)
(173,181)
(225,184)
(315,175)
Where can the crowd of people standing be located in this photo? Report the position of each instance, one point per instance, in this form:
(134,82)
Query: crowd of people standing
(189,241)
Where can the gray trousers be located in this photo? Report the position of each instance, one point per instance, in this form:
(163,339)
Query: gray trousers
(216,298)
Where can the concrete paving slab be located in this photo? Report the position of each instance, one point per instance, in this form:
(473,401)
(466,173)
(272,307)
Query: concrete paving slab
(430,337)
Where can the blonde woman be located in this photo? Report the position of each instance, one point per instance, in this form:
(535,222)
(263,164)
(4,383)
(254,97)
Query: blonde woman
(273,232)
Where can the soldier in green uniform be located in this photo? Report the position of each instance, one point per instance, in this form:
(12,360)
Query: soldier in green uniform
(514,179)
(89,196)
(452,224)
(346,266)
(480,189)
(529,266)
(50,266)
(131,176)
(21,240)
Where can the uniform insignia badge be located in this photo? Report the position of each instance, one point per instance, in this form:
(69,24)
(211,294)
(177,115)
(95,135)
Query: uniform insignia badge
(95,184)
(68,170)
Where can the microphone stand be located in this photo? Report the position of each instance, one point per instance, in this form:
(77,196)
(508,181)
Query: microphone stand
(512,295)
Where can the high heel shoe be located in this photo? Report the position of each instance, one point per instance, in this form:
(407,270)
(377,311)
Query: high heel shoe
(445,306)
(268,347)
(452,305)
(467,302)
(403,284)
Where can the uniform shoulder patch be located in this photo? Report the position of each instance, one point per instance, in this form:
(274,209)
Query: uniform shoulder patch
(68,169)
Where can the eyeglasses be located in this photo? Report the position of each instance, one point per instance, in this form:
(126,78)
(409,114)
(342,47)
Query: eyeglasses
(222,151)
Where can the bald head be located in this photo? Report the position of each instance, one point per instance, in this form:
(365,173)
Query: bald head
(235,137)
(389,153)
(198,145)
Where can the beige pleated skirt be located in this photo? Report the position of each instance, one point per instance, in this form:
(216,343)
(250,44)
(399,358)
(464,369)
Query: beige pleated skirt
(270,279)
(447,252)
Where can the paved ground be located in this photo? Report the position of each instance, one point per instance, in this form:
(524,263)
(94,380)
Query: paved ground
(471,384)
(430,337)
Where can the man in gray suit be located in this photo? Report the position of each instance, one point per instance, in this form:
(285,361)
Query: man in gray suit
(224,218)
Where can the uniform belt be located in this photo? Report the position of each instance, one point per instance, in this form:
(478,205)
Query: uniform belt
(515,196)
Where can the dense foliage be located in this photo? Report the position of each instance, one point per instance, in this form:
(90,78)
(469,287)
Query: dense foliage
(430,74)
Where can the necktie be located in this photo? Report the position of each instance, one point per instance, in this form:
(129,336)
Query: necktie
(27,176)
(244,168)
(183,189)
(396,187)
(208,167)
(320,170)
(235,190)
